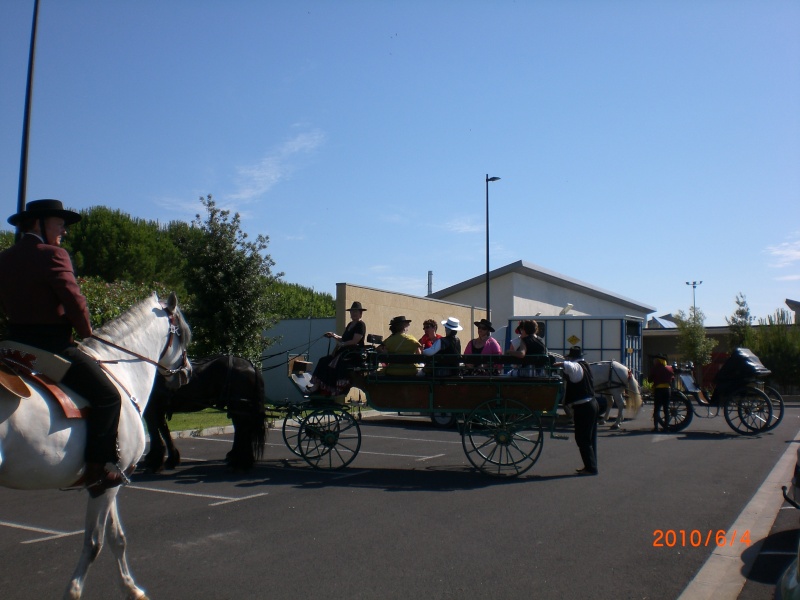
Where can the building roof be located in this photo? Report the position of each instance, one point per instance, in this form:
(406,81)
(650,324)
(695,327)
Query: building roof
(536,272)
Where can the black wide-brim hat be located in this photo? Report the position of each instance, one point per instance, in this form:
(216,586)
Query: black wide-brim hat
(484,323)
(356,306)
(45,208)
(575,353)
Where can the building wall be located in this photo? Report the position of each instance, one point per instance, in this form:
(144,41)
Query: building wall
(518,294)
(293,337)
(531,296)
(382,306)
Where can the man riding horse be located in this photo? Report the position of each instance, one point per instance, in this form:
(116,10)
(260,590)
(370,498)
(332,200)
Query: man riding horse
(43,303)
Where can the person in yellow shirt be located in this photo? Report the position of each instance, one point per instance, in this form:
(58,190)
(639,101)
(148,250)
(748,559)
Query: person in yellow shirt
(400,342)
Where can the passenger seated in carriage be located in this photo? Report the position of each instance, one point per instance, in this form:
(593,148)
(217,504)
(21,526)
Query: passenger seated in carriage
(449,344)
(400,342)
(484,344)
(530,344)
(330,374)
(430,336)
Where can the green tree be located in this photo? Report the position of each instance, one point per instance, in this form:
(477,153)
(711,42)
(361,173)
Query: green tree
(6,239)
(113,246)
(693,345)
(293,301)
(107,301)
(229,280)
(777,345)
(740,324)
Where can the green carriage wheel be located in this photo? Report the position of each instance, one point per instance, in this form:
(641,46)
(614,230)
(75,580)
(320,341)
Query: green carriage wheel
(502,438)
(748,411)
(291,430)
(329,438)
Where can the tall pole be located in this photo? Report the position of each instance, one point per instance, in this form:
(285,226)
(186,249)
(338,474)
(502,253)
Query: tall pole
(488,304)
(26,123)
(694,285)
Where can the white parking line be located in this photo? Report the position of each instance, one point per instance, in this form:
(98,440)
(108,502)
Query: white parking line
(222,499)
(408,439)
(414,456)
(54,535)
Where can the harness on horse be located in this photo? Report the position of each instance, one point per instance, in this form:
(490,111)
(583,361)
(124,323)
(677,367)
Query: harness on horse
(182,371)
(613,382)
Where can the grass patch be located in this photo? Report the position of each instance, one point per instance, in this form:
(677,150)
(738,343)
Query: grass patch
(210,417)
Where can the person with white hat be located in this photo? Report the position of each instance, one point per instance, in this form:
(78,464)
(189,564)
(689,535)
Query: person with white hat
(43,303)
(580,397)
(449,344)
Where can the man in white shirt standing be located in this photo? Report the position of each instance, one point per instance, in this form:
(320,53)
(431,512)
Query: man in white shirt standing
(580,398)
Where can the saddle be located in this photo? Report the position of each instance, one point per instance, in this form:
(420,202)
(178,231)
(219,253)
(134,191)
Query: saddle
(20,362)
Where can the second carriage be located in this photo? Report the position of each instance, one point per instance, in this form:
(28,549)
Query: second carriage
(749,405)
(504,420)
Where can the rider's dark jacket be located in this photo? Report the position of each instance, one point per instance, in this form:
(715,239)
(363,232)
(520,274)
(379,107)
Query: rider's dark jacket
(40,296)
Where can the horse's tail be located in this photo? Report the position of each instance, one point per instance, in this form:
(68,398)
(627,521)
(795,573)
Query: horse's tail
(259,439)
(634,401)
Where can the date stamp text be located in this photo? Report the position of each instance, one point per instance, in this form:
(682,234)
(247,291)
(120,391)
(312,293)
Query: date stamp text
(695,538)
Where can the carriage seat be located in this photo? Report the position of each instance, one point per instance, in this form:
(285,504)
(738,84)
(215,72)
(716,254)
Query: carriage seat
(406,366)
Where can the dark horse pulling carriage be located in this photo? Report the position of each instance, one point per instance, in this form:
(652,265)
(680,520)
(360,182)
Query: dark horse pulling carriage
(223,382)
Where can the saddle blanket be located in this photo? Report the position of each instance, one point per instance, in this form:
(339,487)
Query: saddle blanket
(21,362)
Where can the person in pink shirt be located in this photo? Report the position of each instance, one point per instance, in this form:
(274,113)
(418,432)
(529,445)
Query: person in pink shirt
(484,343)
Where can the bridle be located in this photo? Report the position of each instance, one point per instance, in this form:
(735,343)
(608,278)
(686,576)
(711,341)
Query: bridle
(174,333)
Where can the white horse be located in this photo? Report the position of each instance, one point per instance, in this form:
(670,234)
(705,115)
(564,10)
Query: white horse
(612,378)
(41,449)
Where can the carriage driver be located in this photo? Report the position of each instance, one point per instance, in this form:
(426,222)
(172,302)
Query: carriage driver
(43,303)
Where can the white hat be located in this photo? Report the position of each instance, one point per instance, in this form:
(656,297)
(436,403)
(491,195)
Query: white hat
(452,323)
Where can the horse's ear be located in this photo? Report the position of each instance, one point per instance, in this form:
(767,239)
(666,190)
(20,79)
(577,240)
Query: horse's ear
(172,303)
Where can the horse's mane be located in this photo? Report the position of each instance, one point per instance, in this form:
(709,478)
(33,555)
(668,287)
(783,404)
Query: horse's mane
(130,319)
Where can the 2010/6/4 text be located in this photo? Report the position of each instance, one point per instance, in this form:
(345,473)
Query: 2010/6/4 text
(694,538)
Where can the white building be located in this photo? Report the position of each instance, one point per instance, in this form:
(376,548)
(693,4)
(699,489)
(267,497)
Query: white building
(523,288)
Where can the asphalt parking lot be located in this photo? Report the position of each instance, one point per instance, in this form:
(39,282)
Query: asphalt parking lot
(411,518)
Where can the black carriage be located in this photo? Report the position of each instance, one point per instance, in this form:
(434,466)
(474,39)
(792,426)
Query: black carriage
(740,392)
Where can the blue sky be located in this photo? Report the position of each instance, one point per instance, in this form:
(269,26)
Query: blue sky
(641,145)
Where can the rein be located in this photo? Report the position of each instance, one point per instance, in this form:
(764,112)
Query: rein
(173,331)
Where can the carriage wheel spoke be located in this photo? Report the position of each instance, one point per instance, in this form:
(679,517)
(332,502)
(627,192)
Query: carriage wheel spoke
(502,438)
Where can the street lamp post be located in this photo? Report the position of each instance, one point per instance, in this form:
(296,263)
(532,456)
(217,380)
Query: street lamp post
(694,285)
(26,120)
(488,179)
